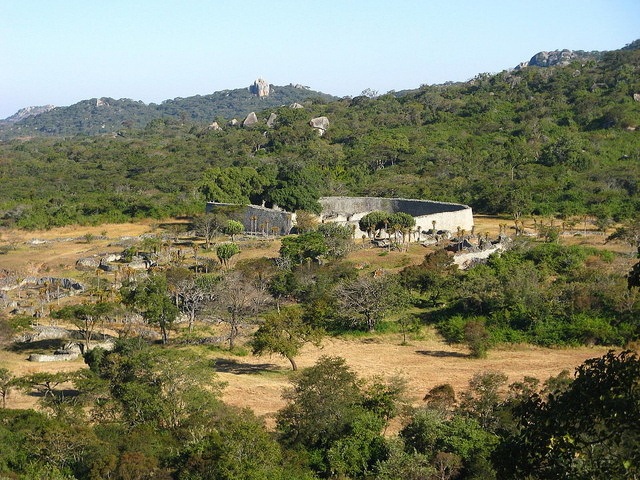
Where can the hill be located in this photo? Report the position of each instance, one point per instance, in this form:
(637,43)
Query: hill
(559,141)
(107,115)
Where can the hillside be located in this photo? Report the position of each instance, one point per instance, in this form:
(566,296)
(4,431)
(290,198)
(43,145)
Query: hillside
(557,141)
(107,115)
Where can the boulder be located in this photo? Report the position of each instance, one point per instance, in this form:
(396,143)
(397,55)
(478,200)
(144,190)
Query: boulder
(251,120)
(320,123)
(549,59)
(636,97)
(295,105)
(233,122)
(271,120)
(88,263)
(214,126)
(260,88)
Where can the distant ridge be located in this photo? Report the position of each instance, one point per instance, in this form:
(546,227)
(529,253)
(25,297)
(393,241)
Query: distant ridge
(108,115)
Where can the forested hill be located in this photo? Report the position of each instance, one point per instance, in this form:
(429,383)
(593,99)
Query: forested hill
(561,141)
(107,115)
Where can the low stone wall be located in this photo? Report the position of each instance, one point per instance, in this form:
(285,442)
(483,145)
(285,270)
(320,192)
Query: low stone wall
(62,357)
(257,219)
(448,216)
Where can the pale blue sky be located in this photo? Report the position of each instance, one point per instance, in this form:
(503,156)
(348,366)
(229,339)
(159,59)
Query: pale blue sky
(64,51)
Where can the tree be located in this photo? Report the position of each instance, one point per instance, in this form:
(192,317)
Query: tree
(233,228)
(483,398)
(237,185)
(153,386)
(192,293)
(304,246)
(236,300)
(372,222)
(306,221)
(337,238)
(87,317)
(151,299)
(321,404)
(477,338)
(225,252)
(284,333)
(366,300)
(7,382)
(590,430)
(209,225)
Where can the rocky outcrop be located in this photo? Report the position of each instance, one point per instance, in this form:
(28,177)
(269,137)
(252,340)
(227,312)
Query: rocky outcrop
(28,112)
(321,124)
(636,97)
(271,120)
(295,105)
(558,58)
(233,122)
(251,120)
(260,88)
(87,263)
(66,283)
(214,126)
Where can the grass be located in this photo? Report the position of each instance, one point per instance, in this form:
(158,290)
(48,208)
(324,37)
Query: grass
(258,382)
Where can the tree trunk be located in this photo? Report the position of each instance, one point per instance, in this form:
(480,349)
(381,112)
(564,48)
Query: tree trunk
(293,363)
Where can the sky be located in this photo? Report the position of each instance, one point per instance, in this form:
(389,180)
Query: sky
(64,51)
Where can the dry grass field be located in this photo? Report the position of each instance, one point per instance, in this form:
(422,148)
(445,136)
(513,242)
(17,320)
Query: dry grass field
(257,382)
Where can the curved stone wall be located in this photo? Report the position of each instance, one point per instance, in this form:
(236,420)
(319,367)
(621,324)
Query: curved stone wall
(448,216)
(257,219)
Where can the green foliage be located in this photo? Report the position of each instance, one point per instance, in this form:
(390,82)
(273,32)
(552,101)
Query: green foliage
(305,246)
(233,228)
(590,430)
(226,251)
(284,333)
(151,299)
(373,221)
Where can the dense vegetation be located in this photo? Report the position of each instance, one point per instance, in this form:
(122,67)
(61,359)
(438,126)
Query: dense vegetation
(555,141)
(108,115)
(142,412)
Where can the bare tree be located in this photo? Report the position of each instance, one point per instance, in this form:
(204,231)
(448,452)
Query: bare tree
(236,301)
(367,299)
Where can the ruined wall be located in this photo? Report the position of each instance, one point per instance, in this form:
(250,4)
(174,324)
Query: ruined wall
(448,216)
(257,219)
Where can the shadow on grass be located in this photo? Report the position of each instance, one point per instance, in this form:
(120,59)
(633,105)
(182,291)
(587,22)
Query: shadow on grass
(39,346)
(229,365)
(65,393)
(442,354)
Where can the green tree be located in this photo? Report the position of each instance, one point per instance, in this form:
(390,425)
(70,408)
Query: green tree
(591,430)
(151,298)
(304,246)
(87,317)
(225,252)
(373,222)
(237,185)
(284,333)
(233,228)
(321,404)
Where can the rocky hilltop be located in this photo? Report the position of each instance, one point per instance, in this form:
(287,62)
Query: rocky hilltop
(559,58)
(108,115)
(28,112)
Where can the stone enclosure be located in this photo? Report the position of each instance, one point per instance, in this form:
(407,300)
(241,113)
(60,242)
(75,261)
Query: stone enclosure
(349,210)
(448,216)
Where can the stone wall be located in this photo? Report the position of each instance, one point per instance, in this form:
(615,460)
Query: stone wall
(448,216)
(257,219)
